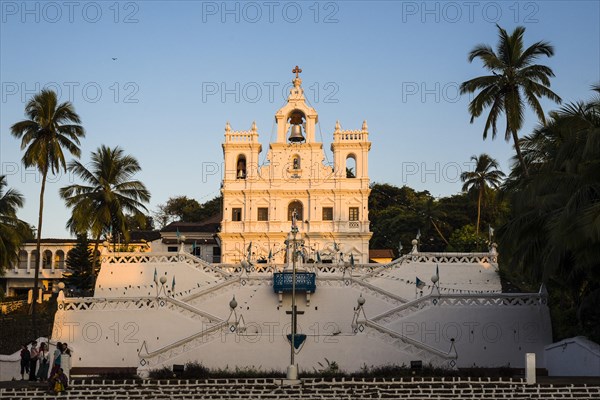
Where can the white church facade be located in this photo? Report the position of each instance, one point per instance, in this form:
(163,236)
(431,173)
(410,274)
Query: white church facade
(331,201)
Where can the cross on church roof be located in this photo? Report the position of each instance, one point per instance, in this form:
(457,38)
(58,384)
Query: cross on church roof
(296,71)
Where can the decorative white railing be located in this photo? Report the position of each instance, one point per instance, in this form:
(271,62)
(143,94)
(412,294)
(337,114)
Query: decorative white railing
(146,303)
(420,350)
(241,136)
(442,258)
(319,268)
(487,300)
(194,294)
(154,358)
(351,135)
(181,257)
(353,225)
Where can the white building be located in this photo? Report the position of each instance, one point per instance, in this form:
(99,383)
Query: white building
(331,200)
(575,356)
(19,277)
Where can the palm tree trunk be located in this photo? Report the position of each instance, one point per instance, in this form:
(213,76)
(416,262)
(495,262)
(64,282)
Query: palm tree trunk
(95,255)
(39,260)
(439,232)
(519,155)
(479,209)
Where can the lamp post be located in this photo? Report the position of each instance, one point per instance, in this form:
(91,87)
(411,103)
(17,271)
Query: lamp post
(292,371)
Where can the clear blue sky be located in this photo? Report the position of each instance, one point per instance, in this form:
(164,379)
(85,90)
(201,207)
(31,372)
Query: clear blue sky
(396,64)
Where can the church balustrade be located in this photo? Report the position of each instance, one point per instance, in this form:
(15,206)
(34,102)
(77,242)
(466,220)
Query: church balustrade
(354,225)
(447,258)
(418,349)
(152,359)
(104,304)
(486,300)
(240,136)
(141,258)
(352,136)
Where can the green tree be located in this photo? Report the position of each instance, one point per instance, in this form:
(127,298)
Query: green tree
(13,231)
(515,81)
(466,239)
(135,224)
(51,128)
(486,176)
(185,209)
(554,235)
(110,195)
(79,276)
(397,213)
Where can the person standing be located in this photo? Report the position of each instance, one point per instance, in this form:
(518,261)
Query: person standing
(43,356)
(33,358)
(65,362)
(24,361)
(57,358)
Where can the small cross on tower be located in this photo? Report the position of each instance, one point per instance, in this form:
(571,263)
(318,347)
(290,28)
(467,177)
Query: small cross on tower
(296,71)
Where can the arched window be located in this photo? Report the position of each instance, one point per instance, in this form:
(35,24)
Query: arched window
(59,259)
(22,259)
(351,166)
(295,206)
(35,259)
(241,167)
(296,162)
(47,259)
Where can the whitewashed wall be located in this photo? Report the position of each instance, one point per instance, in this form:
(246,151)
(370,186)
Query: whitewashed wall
(197,324)
(576,356)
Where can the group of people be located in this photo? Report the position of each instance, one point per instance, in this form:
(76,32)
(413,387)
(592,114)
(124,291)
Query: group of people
(58,377)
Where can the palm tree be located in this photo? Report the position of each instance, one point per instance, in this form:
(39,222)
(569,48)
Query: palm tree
(553,235)
(51,128)
(515,81)
(486,175)
(110,195)
(12,230)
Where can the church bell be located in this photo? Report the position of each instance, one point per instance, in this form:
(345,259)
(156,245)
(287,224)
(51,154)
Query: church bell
(296,135)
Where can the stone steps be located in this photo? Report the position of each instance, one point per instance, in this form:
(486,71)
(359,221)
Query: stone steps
(318,389)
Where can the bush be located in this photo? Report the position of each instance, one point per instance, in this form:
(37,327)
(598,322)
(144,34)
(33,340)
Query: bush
(163,373)
(120,375)
(195,370)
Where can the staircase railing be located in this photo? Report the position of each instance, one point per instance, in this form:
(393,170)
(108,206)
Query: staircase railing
(483,299)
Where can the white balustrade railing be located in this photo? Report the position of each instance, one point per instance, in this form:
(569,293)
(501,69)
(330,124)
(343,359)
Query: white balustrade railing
(414,342)
(131,303)
(152,359)
(442,258)
(168,257)
(351,135)
(488,300)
